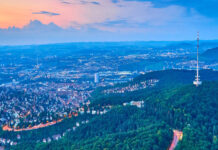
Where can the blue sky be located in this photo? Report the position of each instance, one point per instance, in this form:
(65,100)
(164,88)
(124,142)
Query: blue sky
(106,20)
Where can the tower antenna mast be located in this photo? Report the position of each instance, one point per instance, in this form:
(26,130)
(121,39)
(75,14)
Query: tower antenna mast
(197,81)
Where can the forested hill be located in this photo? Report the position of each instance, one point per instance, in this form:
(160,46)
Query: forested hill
(190,109)
(211,54)
(168,78)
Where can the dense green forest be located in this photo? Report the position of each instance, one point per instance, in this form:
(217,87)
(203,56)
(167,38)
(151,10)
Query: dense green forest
(121,128)
(180,106)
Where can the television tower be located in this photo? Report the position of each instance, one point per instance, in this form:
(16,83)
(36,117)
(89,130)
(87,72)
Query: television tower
(197,81)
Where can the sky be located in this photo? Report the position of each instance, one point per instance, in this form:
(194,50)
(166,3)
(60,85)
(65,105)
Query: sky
(50,21)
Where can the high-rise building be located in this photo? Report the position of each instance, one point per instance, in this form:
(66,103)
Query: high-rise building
(197,81)
(96,78)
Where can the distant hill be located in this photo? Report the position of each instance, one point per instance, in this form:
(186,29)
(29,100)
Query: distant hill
(211,54)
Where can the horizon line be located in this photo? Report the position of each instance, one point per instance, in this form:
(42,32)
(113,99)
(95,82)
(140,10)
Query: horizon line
(124,41)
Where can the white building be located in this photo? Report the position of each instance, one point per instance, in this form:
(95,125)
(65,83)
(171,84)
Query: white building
(96,78)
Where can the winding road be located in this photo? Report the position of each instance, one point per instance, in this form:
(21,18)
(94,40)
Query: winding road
(7,128)
(177,136)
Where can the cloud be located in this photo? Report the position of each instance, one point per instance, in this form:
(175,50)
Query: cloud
(46,13)
(95,3)
(124,19)
(132,11)
(142,12)
(65,2)
(79,2)
(38,33)
(204,7)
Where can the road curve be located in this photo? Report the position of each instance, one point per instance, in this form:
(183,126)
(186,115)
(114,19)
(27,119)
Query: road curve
(7,128)
(177,136)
